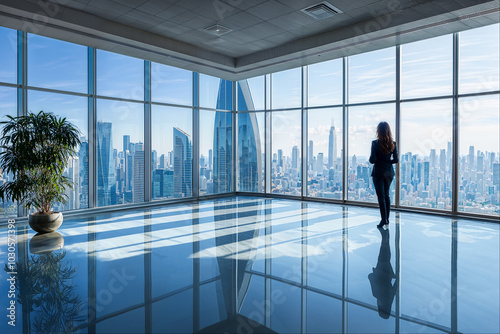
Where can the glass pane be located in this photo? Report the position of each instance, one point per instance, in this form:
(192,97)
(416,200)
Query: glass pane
(171,85)
(215,93)
(172,152)
(8,56)
(286,89)
(120,76)
(479,60)
(287,158)
(325,83)
(363,121)
(427,67)
(56,64)
(324,156)
(251,152)
(74,109)
(251,94)
(372,76)
(120,152)
(8,106)
(479,147)
(425,154)
(215,152)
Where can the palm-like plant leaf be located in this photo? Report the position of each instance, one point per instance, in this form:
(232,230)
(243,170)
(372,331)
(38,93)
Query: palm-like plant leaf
(36,149)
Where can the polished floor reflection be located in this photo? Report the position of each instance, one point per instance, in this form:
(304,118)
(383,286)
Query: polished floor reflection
(254,265)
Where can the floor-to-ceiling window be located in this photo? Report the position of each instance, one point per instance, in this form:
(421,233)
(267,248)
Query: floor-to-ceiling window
(8,99)
(251,140)
(57,77)
(132,95)
(171,132)
(426,125)
(479,121)
(371,79)
(119,129)
(325,129)
(216,131)
(286,168)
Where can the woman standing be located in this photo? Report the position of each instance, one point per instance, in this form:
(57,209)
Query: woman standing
(384,153)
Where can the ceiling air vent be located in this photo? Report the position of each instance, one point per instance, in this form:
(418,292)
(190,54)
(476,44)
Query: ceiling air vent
(217,30)
(321,10)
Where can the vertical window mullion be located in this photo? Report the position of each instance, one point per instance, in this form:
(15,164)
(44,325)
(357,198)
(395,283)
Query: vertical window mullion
(398,122)
(148,168)
(196,136)
(455,125)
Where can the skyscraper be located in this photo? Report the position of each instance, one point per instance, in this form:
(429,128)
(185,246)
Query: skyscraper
(138,190)
(223,130)
(433,158)
(106,182)
(442,160)
(210,159)
(319,163)
(471,157)
(126,142)
(249,146)
(496,174)
(280,158)
(332,148)
(426,173)
(295,157)
(310,154)
(182,163)
(83,183)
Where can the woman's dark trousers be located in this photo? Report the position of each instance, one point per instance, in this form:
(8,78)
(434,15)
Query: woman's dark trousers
(382,186)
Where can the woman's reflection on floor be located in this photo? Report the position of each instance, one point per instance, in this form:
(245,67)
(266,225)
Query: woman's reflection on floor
(381,278)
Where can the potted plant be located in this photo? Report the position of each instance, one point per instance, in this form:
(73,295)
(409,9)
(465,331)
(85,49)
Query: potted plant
(36,149)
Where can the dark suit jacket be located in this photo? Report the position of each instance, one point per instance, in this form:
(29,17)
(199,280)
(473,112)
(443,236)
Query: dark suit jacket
(383,162)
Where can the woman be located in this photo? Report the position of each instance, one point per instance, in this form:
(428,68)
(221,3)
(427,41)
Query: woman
(384,153)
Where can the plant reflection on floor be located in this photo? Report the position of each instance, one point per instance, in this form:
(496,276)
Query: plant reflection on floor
(45,288)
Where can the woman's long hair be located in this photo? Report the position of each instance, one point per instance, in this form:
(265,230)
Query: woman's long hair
(384,136)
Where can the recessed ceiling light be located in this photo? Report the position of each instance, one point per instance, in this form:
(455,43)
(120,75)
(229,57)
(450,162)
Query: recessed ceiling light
(321,10)
(217,30)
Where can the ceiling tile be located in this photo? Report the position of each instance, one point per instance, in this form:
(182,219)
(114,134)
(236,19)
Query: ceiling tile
(155,7)
(199,23)
(183,17)
(240,21)
(269,10)
(110,6)
(170,12)
(261,31)
(292,20)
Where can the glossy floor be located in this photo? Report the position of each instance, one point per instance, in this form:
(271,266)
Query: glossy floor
(246,264)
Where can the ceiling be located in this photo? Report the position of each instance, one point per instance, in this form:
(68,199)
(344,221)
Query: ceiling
(266,36)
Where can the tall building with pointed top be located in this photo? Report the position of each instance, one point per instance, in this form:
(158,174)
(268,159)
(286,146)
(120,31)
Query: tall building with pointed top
(332,148)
